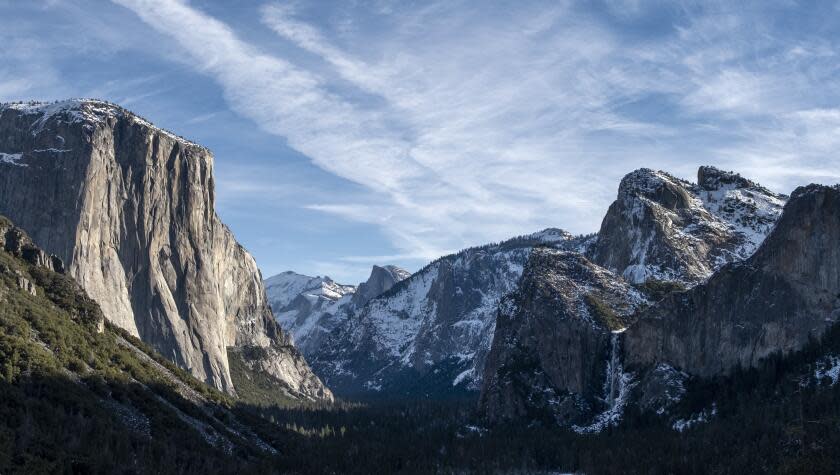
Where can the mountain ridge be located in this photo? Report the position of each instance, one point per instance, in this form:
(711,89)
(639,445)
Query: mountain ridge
(684,233)
(775,302)
(309,308)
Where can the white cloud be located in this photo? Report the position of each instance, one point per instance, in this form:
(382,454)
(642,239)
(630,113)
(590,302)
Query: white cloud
(468,126)
(731,90)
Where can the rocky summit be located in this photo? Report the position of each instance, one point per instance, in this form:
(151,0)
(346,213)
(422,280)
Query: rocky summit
(578,343)
(666,229)
(130,209)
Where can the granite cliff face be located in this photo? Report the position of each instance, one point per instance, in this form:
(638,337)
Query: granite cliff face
(786,293)
(551,360)
(666,229)
(130,209)
(555,348)
(380,281)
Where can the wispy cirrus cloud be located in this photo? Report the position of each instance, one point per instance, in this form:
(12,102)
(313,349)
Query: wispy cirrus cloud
(470,122)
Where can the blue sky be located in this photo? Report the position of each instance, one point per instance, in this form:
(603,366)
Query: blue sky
(390,132)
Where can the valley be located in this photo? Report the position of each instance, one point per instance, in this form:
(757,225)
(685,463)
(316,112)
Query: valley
(699,318)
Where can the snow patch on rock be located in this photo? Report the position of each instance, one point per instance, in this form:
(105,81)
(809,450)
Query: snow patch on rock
(827,368)
(12,159)
(90,112)
(682,425)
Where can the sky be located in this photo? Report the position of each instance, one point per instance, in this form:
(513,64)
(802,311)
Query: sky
(354,133)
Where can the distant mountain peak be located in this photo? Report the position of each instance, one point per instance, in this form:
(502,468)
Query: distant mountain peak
(284,287)
(552,235)
(310,307)
(381,279)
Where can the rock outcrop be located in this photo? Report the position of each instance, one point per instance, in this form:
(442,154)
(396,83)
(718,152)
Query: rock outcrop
(45,271)
(775,301)
(555,350)
(130,209)
(666,229)
(16,242)
(380,281)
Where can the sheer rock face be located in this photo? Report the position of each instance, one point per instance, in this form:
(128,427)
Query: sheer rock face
(380,281)
(787,292)
(549,360)
(550,353)
(130,209)
(663,228)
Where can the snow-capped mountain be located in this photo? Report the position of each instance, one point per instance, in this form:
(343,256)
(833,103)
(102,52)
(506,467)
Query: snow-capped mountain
(666,229)
(283,288)
(551,360)
(309,308)
(306,307)
(436,325)
(433,331)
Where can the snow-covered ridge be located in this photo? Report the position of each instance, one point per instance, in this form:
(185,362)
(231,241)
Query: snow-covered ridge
(91,112)
(282,288)
(305,306)
(309,308)
(750,211)
(551,237)
(442,318)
